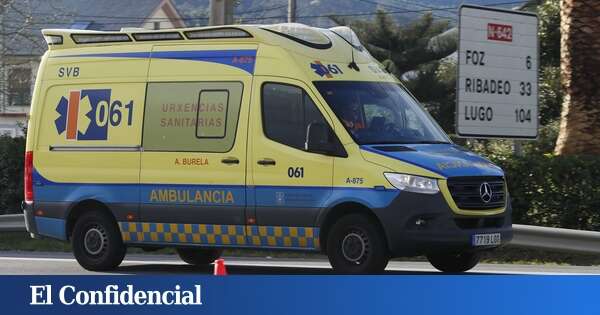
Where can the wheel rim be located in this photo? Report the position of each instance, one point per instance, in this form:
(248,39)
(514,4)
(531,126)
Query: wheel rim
(95,240)
(355,247)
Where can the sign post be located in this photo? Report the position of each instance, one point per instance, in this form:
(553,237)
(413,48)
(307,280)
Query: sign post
(497,95)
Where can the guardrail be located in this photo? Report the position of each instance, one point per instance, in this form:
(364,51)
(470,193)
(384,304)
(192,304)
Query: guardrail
(12,223)
(527,236)
(564,240)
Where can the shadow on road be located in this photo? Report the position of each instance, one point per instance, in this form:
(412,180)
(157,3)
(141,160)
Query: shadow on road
(239,270)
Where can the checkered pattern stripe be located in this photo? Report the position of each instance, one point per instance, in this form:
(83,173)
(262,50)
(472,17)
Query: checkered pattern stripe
(283,236)
(219,234)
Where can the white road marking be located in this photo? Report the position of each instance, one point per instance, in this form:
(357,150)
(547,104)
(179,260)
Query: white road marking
(312,264)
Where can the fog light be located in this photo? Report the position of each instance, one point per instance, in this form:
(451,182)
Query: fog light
(420,222)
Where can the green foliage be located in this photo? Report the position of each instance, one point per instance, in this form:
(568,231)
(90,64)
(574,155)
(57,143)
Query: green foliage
(12,153)
(403,47)
(547,190)
(550,94)
(556,191)
(549,32)
(434,85)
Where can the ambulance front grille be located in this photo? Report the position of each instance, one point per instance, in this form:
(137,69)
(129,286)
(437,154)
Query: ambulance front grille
(467,192)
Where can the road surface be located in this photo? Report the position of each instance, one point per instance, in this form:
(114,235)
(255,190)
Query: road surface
(22,263)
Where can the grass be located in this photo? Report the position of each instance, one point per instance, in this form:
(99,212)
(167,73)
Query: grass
(20,241)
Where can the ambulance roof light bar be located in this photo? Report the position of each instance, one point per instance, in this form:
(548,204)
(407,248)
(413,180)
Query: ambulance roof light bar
(156,36)
(92,38)
(53,39)
(217,33)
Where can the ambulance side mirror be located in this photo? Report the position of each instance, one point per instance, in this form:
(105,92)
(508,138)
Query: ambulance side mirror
(321,139)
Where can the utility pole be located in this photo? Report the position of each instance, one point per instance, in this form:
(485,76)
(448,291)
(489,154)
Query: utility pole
(291,11)
(221,12)
(3,74)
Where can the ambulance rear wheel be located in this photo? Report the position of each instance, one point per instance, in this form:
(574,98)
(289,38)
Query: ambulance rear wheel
(356,245)
(96,242)
(454,262)
(199,256)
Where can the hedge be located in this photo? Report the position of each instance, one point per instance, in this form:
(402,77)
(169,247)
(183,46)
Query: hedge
(555,191)
(12,154)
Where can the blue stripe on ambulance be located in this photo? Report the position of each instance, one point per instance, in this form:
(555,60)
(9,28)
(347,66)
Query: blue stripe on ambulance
(447,160)
(225,57)
(207,234)
(262,196)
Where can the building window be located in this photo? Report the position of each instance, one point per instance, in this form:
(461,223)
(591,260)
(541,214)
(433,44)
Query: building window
(156,25)
(287,112)
(19,86)
(191,116)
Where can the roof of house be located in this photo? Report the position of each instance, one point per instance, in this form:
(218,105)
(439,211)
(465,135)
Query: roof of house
(25,19)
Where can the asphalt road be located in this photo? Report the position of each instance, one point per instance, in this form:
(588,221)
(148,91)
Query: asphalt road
(22,263)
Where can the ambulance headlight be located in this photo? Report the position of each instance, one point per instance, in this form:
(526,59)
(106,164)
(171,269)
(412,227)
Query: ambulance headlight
(413,183)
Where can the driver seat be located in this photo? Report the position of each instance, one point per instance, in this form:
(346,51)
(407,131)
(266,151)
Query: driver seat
(377,123)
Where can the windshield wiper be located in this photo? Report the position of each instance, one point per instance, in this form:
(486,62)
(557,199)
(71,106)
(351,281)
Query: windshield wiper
(409,142)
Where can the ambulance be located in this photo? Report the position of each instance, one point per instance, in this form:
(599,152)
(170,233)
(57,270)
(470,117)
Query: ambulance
(280,136)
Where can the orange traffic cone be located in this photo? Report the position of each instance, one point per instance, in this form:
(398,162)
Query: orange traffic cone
(220,269)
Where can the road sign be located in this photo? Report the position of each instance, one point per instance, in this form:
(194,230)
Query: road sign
(497,94)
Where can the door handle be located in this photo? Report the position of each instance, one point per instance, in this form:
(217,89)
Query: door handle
(266,162)
(230,160)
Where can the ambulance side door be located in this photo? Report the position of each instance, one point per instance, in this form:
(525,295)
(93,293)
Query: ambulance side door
(290,184)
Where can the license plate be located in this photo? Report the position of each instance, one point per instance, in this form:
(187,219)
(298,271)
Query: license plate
(486,239)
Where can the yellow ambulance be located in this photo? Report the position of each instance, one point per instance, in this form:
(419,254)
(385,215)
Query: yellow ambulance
(257,136)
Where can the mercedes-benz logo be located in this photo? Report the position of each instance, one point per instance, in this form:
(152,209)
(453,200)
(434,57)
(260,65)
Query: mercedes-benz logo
(485,192)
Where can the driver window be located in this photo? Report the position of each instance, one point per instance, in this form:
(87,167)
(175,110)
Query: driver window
(287,111)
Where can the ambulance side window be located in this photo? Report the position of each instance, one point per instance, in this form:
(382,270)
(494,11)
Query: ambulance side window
(286,113)
(191,116)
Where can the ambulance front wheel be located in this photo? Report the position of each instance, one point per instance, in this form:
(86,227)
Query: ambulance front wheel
(454,262)
(199,256)
(96,242)
(356,245)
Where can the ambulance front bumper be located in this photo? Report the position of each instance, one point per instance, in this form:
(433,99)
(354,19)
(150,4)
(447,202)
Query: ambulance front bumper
(419,224)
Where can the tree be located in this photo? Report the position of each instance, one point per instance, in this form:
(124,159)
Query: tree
(402,47)
(580,118)
(550,89)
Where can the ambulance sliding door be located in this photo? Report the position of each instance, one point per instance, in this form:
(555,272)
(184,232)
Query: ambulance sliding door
(193,162)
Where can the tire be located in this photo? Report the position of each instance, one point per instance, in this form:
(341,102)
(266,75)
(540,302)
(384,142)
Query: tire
(96,242)
(454,262)
(356,245)
(199,256)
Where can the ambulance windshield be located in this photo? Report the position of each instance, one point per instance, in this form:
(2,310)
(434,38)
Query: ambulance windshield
(380,113)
